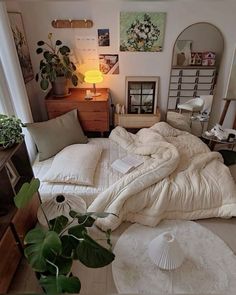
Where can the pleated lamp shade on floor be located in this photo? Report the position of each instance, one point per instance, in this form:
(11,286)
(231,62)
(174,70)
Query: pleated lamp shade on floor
(60,205)
(165,251)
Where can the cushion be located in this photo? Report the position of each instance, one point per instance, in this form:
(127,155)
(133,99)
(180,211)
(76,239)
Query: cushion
(75,164)
(53,135)
(178,121)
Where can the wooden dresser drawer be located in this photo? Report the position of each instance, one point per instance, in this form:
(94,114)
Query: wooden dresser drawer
(9,258)
(95,125)
(66,106)
(26,218)
(93,116)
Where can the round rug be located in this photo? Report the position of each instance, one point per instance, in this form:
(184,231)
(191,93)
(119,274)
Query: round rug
(209,265)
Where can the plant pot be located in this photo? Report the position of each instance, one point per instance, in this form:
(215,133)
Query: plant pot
(60,87)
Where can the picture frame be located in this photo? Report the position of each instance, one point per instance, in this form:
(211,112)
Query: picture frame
(142,31)
(182,53)
(22,48)
(141,93)
(12,173)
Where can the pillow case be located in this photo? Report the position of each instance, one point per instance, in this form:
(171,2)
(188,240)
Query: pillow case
(75,164)
(53,135)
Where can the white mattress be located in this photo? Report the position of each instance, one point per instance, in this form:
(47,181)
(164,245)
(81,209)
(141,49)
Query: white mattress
(104,175)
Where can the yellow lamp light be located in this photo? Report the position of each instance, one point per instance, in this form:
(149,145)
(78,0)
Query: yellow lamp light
(93,76)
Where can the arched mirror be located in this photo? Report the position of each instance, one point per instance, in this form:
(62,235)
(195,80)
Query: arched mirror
(196,61)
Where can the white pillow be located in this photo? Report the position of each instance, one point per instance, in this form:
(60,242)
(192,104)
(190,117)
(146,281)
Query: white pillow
(75,164)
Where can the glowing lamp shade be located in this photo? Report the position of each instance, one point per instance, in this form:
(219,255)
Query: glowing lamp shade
(93,76)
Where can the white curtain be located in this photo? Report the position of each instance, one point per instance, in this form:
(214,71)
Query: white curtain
(14,97)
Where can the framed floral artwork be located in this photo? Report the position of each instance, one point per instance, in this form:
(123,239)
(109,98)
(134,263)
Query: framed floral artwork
(141,31)
(21,45)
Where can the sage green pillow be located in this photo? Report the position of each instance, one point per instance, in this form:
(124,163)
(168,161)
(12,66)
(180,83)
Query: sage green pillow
(53,135)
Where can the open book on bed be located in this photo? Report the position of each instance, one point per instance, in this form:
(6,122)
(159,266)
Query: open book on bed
(127,164)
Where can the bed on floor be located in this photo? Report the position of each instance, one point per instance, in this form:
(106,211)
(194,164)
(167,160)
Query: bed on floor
(179,179)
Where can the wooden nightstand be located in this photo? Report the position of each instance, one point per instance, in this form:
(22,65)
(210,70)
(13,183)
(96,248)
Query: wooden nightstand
(94,115)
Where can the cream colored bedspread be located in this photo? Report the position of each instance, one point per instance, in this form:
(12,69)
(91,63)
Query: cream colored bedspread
(180,179)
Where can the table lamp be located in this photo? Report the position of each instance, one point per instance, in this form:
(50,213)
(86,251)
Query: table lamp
(93,76)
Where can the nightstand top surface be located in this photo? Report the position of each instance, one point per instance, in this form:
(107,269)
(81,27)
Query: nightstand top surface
(79,94)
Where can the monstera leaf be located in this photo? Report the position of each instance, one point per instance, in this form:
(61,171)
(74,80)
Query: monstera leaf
(60,284)
(26,193)
(91,254)
(43,246)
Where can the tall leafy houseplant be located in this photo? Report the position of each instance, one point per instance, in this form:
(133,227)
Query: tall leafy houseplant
(10,131)
(52,251)
(55,67)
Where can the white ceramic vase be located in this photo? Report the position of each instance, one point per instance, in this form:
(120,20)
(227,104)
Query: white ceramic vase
(118,108)
(60,205)
(165,251)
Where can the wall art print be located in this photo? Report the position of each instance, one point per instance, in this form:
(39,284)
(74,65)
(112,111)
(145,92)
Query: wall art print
(103,37)
(21,45)
(109,63)
(182,53)
(142,31)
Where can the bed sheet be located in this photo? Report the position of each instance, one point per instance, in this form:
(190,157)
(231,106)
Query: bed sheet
(104,174)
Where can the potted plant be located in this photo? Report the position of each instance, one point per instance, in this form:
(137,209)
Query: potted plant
(51,251)
(56,67)
(10,131)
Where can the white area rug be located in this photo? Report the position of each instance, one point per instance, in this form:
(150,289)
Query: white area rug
(210,265)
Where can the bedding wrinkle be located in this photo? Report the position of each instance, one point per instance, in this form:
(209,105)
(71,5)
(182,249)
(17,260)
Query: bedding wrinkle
(180,179)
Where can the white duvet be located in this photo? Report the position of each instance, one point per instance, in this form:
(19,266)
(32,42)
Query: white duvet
(180,179)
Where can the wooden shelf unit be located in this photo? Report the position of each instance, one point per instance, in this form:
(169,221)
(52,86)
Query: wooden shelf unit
(14,223)
(189,82)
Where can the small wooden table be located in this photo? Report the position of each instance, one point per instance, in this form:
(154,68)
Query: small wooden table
(94,114)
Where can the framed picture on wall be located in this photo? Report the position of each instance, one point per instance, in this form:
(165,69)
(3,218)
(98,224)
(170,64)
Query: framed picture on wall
(21,45)
(142,31)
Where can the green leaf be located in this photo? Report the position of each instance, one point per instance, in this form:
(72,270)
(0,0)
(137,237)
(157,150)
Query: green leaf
(58,42)
(91,254)
(47,55)
(43,246)
(64,50)
(44,84)
(64,265)
(60,284)
(74,80)
(69,244)
(58,223)
(40,43)
(26,193)
(77,231)
(39,50)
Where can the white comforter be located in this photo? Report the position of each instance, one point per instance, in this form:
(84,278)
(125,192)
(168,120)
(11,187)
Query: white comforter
(180,179)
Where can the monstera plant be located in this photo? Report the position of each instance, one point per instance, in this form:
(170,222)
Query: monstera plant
(51,251)
(56,68)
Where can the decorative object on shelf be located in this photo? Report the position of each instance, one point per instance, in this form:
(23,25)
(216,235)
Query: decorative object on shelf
(56,67)
(196,58)
(10,131)
(12,173)
(182,52)
(109,63)
(103,37)
(88,95)
(165,251)
(60,205)
(118,108)
(21,45)
(51,251)
(93,76)
(68,23)
(122,110)
(141,31)
(208,58)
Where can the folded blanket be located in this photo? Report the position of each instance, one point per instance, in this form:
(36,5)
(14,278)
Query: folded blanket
(180,179)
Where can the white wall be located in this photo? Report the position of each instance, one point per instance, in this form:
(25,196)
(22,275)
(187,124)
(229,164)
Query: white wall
(38,15)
